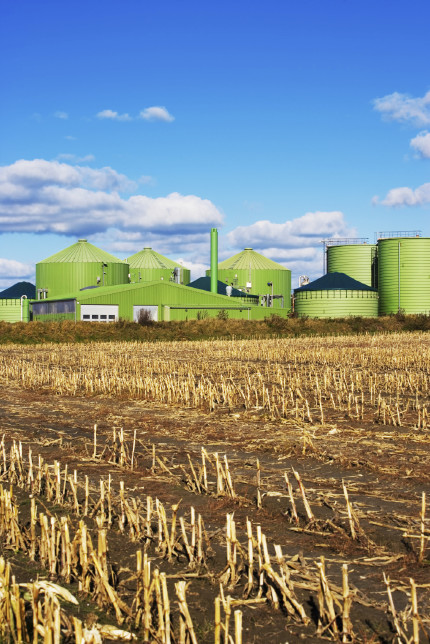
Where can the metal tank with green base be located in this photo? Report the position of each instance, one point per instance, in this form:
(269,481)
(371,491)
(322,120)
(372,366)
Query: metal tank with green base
(147,266)
(253,273)
(404,275)
(359,261)
(79,266)
(336,295)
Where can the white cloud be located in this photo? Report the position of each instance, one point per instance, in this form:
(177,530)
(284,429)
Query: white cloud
(197,269)
(61,115)
(113,116)
(405,196)
(421,143)
(146,180)
(295,244)
(10,268)
(305,230)
(156,113)
(49,196)
(73,158)
(402,107)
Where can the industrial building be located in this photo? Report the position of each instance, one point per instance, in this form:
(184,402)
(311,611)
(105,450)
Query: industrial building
(83,282)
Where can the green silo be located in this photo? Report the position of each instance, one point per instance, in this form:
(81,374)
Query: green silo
(359,261)
(251,272)
(147,266)
(336,295)
(404,275)
(77,267)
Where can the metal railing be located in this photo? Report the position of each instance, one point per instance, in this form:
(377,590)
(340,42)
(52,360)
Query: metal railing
(389,234)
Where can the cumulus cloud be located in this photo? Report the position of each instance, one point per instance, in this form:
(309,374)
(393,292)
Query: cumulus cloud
(48,196)
(10,269)
(296,243)
(310,228)
(156,113)
(405,196)
(421,143)
(197,269)
(61,115)
(404,108)
(113,116)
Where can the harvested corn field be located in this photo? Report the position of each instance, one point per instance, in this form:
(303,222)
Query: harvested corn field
(240,491)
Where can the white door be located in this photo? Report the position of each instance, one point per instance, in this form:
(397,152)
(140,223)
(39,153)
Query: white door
(99,312)
(152,311)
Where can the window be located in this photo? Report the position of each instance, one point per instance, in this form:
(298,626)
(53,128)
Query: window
(85,317)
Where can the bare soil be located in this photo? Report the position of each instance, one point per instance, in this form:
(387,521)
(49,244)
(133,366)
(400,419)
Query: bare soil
(385,468)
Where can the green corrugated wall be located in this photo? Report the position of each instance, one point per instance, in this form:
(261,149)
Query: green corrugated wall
(336,304)
(10,310)
(404,275)
(69,277)
(356,260)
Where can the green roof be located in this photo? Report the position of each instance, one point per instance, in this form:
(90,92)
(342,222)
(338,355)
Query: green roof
(249,259)
(335,282)
(204,284)
(89,293)
(82,252)
(148,258)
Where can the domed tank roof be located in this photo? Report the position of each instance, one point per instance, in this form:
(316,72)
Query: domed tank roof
(148,258)
(81,252)
(335,282)
(249,259)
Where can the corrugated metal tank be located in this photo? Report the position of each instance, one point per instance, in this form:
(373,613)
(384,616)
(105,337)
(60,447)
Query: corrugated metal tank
(336,295)
(249,271)
(359,261)
(336,304)
(77,267)
(404,275)
(147,266)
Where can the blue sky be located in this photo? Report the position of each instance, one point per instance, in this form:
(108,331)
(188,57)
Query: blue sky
(280,123)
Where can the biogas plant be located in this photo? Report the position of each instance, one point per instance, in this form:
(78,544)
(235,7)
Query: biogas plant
(83,282)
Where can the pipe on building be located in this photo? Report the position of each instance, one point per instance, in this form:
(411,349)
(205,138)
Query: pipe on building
(214,260)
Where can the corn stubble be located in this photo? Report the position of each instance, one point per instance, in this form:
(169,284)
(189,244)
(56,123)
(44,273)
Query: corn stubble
(385,382)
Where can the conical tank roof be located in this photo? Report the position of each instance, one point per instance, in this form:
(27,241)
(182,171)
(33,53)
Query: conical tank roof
(148,258)
(335,282)
(81,252)
(250,259)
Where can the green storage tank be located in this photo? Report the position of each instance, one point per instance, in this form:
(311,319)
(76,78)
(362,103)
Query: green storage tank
(147,266)
(251,272)
(336,295)
(404,275)
(359,261)
(76,267)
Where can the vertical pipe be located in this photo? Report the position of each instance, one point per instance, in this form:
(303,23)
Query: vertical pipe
(214,260)
(398,278)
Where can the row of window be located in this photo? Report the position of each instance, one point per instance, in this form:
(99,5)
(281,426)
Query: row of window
(99,318)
